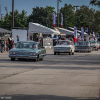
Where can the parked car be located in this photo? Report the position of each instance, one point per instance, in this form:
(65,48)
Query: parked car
(94,44)
(64,46)
(83,46)
(99,44)
(27,50)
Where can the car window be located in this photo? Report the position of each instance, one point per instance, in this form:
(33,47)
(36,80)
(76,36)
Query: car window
(28,45)
(64,43)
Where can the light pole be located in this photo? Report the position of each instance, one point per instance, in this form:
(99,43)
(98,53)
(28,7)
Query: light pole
(58,12)
(76,7)
(12,13)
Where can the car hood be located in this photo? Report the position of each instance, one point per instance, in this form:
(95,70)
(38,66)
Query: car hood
(62,46)
(24,49)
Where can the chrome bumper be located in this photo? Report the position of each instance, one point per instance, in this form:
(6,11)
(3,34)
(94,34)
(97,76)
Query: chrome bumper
(62,51)
(22,56)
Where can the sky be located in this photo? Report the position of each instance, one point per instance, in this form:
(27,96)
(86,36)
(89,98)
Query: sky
(27,5)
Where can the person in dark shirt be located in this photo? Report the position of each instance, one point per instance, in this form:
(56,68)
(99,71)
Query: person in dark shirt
(2,45)
(10,42)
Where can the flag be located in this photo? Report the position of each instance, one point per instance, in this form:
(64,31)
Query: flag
(93,34)
(61,20)
(82,31)
(54,19)
(75,32)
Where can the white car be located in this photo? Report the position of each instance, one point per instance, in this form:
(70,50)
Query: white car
(64,46)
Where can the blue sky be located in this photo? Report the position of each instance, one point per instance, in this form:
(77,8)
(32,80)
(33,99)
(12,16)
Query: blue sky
(27,5)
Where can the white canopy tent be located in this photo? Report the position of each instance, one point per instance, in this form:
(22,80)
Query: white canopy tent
(35,28)
(38,28)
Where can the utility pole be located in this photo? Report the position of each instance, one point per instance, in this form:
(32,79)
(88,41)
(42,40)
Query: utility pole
(58,12)
(0,11)
(12,13)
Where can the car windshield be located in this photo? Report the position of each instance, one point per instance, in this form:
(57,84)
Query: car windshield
(27,45)
(82,43)
(93,41)
(64,43)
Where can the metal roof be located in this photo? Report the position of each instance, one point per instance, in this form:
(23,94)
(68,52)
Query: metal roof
(2,30)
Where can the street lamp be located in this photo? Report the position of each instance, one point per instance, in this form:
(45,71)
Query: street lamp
(76,7)
(58,11)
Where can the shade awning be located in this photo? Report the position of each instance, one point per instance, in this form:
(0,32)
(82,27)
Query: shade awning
(38,28)
(2,30)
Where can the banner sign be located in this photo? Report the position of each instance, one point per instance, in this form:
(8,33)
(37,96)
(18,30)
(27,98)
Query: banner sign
(75,32)
(54,19)
(61,20)
(82,31)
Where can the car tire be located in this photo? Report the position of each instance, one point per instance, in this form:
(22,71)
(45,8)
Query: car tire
(73,53)
(12,59)
(41,58)
(58,53)
(19,59)
(54,53)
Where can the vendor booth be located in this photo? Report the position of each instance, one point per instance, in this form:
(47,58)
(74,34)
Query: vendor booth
(38,30)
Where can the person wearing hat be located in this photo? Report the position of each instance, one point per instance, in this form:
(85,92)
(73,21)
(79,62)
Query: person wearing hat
(2,45)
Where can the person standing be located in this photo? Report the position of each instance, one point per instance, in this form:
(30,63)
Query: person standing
(10,42)
(2,45)
(7,43)
(13,46)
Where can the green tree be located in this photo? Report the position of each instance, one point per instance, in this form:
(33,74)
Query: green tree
(95,2)
(42,16)
(68,15)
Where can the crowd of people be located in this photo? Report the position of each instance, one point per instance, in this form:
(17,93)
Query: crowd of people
(9,44)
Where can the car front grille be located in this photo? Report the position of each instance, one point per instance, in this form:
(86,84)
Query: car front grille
(22,53)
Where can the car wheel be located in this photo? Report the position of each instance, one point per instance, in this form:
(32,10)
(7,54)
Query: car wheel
(73,53)
(41,58)
(19,59)
(12,59)
(58,53)
(54,53)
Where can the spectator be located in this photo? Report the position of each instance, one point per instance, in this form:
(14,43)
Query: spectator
(7,44)
(10,42)
(13,46)
(75,40)
(2,45)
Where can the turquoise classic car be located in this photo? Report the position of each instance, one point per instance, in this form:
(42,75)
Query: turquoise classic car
(27,50)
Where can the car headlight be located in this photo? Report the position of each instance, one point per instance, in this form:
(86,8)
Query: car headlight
(13,52)
(10,52)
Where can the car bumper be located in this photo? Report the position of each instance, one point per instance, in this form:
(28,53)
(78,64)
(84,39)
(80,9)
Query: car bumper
(62,51)
(82,49)
(22,56)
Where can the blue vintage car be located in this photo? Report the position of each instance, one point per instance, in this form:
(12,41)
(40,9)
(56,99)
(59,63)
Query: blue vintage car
(27,50)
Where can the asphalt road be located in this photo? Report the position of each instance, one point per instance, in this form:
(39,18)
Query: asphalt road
(57,77)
